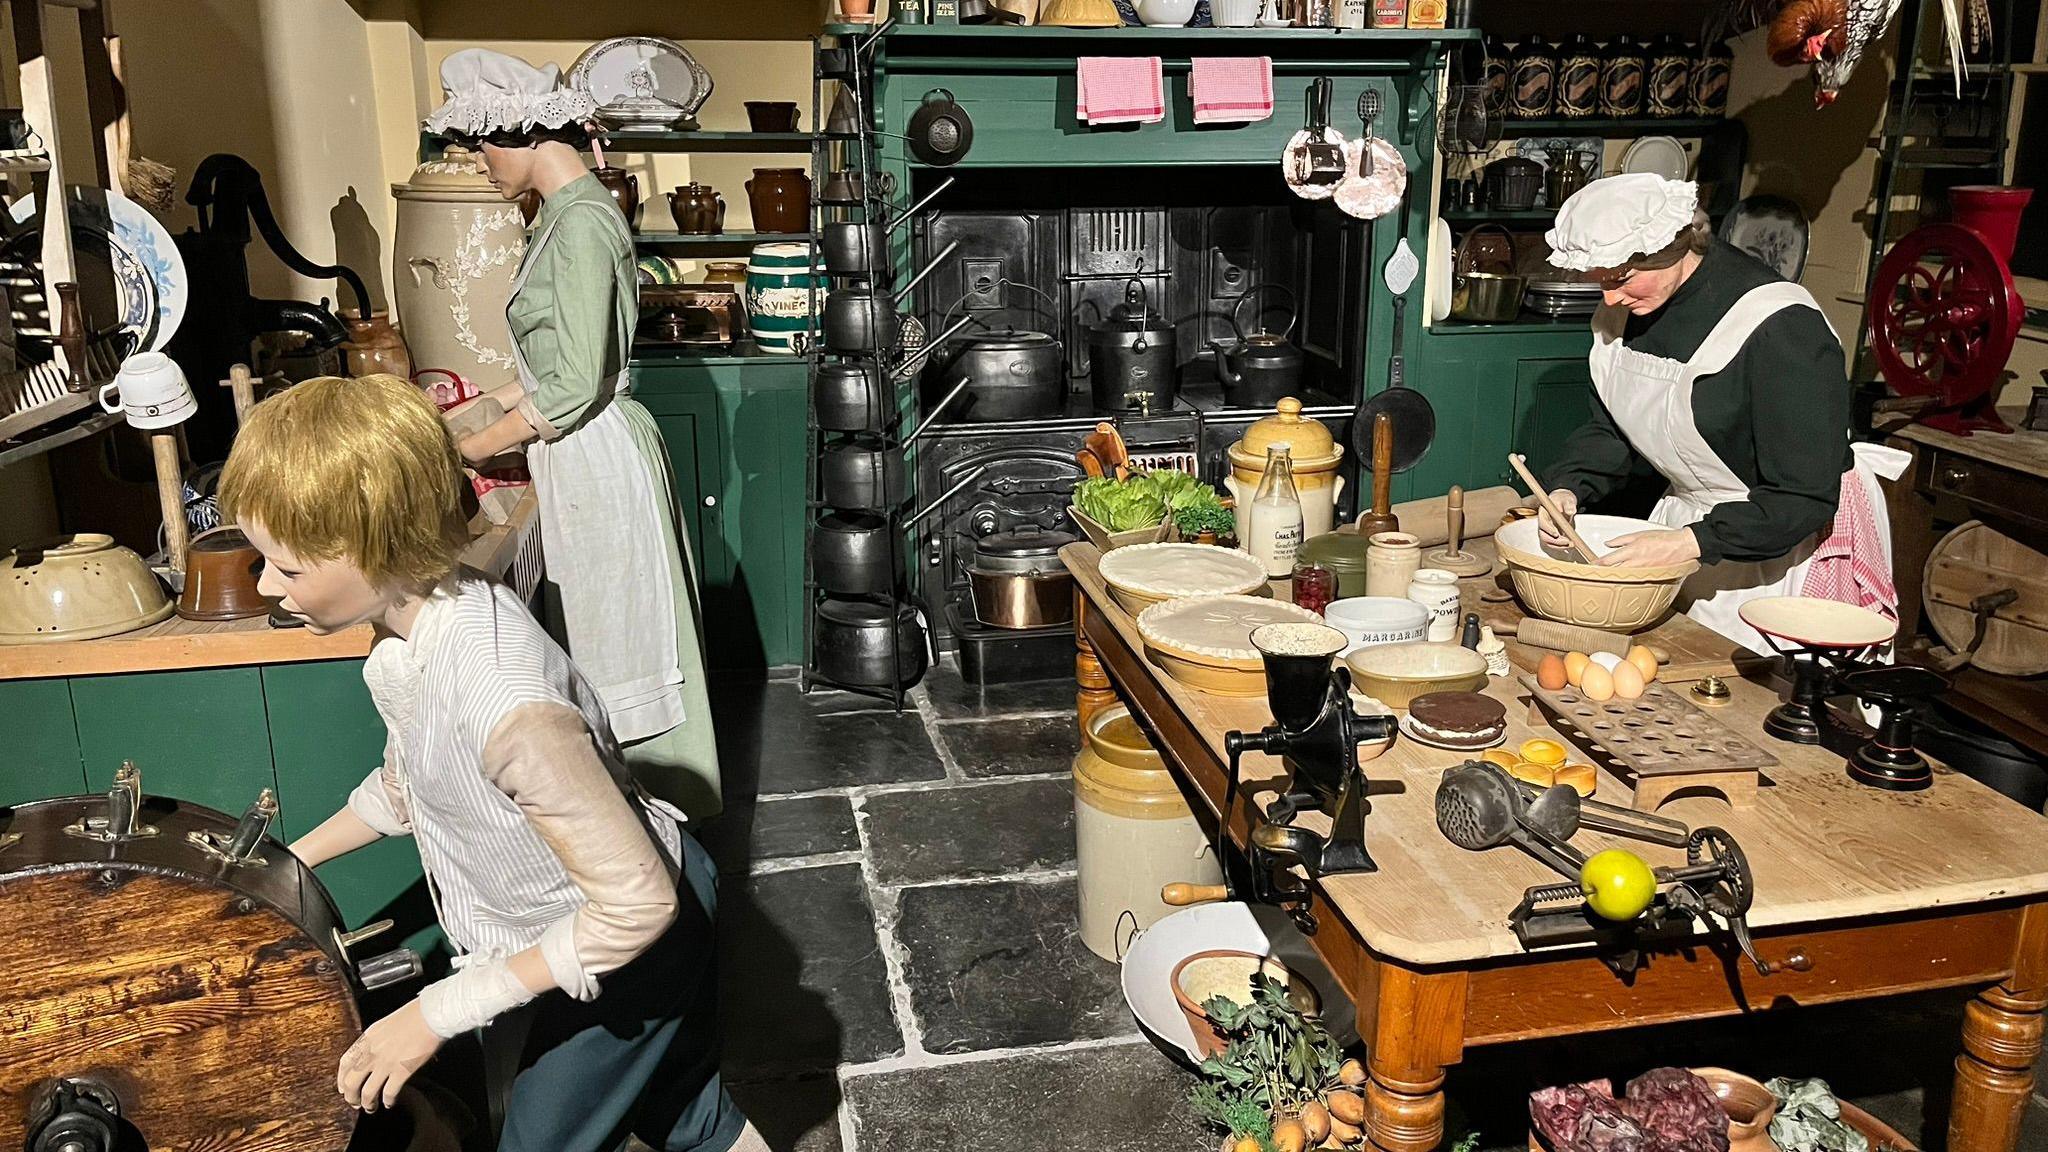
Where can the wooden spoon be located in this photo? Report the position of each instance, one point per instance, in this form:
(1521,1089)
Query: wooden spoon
(1557,516)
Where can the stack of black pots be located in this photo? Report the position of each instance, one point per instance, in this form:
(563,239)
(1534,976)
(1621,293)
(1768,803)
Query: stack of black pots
(864,635)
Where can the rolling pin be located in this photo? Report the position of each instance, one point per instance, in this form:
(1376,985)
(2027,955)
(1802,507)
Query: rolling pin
(1427,519)
(1572,638)
(1381,517)
(170,495)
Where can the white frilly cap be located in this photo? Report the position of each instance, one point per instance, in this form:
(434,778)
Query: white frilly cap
(1618,217)
(492,92)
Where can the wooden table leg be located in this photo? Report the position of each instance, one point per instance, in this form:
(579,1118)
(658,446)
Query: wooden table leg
(2002,1031)
(1095,694)
(1418,1029)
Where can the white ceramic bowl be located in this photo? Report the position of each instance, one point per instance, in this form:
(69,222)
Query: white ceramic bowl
(1265,930)
(1166,13)
(1370,620)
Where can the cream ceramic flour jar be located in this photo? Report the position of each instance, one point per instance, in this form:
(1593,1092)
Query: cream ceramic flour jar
(455,253)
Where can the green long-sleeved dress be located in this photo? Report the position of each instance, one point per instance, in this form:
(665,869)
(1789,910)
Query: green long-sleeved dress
(608,505)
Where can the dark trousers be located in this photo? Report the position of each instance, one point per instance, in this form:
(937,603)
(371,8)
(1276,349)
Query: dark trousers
(641,1059)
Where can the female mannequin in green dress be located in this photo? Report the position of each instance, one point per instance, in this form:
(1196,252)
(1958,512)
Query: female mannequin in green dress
(610,528)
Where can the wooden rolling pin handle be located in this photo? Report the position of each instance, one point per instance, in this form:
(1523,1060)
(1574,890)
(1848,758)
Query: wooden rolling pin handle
(1181,895)
(1382,464)
(1454,520)
(170,496)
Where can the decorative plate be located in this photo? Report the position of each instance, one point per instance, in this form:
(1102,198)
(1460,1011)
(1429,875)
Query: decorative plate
(119,240)
(1772,229)
(643,81)
(655,269)
(1437,281)
(1663,155)
(1591,150)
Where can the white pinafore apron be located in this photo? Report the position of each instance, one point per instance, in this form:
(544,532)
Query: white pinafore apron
(601,534)
(1650,398)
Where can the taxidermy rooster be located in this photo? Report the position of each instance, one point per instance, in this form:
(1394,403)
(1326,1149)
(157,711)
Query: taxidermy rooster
(1831,36)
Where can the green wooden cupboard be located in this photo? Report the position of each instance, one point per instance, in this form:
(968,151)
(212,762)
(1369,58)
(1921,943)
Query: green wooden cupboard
(735,427)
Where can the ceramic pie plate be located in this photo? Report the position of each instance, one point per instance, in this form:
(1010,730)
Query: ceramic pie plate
(1815,623)
(1142,575)
(1437,281)
(1662,155)
(1205,642)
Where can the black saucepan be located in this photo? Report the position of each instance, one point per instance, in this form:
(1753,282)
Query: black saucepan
(864,319)
(854,248)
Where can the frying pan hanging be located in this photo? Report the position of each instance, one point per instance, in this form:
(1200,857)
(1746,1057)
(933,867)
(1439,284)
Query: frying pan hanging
(1414,419)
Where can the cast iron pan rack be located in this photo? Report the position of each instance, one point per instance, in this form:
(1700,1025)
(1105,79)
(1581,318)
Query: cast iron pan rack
(846,60)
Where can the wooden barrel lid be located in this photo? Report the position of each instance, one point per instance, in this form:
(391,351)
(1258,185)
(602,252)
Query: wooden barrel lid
(1976,559)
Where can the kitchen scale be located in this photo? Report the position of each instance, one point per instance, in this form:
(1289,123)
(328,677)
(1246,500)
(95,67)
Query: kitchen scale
(1826,645)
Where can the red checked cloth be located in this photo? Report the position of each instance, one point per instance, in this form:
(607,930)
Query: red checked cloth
(1232,89)
(1120,90)
(1849,563)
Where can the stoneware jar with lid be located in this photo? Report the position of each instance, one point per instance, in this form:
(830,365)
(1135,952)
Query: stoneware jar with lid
(1314,454)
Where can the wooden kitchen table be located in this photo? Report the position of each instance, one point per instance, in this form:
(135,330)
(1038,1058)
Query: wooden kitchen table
(1864,893)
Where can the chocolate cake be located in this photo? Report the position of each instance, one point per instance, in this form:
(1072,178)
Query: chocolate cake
(1458,719)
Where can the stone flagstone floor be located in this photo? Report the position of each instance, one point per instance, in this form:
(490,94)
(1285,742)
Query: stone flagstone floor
(901,969)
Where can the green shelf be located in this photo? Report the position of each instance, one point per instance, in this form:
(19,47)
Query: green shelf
(1338,38)
(666,140)
(743,352)
(1497,215)
(1615,129)
(668,240)
(1527,322)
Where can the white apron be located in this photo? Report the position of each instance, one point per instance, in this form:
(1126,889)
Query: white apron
(601,535)
(1650,398)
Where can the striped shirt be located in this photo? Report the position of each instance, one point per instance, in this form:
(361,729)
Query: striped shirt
(475,655)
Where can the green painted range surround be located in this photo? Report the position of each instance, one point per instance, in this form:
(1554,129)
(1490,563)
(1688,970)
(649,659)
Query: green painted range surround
(1495,388)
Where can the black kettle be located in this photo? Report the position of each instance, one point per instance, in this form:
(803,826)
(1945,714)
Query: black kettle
(1264,366)
(1132,358)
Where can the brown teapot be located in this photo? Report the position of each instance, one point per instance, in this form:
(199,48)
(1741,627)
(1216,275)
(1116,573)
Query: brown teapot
(625,190)
(698,209)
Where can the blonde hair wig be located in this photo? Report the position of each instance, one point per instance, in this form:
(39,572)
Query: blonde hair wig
(361,470)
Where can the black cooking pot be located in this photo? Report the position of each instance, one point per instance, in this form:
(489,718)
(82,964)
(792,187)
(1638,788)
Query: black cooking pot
(1983,755)
(865,645)
(851,397)
(851,554)
(1011,376)
(864,318)
(861,473)
(939,132)
(1133,365)
(855,248)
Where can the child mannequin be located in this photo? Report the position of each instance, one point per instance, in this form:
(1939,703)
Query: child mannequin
(550,870)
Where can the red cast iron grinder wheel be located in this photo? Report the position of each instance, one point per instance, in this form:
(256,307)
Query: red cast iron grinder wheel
(1943,317)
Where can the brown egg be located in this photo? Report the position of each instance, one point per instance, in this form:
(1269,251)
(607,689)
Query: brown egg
(1597,683)
(1645,662)
(1628,683)
(1550,672)
(1575,667)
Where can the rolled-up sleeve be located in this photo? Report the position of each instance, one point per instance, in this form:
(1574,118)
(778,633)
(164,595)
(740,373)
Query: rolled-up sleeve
(542,756)
(376,802)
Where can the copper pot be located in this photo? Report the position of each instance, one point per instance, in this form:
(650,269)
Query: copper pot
(780,199)
(625,190)
(221,569)
(698,209)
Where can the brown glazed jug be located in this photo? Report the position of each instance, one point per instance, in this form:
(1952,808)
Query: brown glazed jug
(780,199)
(374,346)
(698,208)
(733,272)
(625,190)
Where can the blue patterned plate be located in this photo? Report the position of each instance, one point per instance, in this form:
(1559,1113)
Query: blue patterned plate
(147,270)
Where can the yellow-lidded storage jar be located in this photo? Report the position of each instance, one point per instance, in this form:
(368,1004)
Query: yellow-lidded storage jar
(1133,832)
